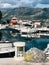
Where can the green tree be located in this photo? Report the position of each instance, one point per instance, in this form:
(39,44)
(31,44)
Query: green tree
(0,35)
(0,19)
(0,15)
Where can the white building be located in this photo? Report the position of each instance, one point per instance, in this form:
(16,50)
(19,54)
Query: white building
(19,50)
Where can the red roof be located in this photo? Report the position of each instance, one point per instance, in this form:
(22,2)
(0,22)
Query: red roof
(14,22)
(37,23)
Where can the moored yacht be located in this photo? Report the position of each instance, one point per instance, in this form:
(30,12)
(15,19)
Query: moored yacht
(6,47)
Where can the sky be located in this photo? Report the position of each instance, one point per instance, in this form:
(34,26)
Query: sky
(24,3)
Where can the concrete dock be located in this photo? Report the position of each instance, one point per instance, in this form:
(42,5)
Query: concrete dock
(12,61)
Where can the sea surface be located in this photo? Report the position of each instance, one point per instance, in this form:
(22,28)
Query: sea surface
(40,43)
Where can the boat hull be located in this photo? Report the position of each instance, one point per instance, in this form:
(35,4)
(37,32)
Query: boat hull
(6,55)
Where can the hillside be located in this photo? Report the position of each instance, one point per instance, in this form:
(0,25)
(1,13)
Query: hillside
(27,13)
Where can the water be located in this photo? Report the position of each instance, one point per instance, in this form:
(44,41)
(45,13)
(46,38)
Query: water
(39,43)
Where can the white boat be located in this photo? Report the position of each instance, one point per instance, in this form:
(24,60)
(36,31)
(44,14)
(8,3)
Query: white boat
(25,32)
(6,47)
(46,51)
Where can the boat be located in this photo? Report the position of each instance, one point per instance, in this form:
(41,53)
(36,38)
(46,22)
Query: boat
(6,48)
(46,51)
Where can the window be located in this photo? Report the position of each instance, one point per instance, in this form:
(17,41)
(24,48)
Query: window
(19,51)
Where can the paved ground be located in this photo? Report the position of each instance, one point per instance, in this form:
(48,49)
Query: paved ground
(12,61)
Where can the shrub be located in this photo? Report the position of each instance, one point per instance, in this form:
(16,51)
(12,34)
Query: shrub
(29,57)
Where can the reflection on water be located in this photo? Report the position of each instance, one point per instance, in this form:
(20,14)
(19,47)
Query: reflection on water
(38,43)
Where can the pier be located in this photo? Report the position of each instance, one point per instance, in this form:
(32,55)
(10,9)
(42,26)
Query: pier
(12,61)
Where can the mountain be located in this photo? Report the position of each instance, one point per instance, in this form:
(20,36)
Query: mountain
(27,13)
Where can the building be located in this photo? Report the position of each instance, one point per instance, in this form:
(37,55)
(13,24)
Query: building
(37,24)
(14,20)
(19,50)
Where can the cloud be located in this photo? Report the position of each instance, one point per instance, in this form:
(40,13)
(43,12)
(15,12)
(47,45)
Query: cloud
(42,6)
(23,3)
(5,5)
(17,3)
(27,3)
(44,1)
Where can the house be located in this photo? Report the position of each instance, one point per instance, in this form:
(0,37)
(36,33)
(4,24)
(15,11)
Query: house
(37,24)
(14,20)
